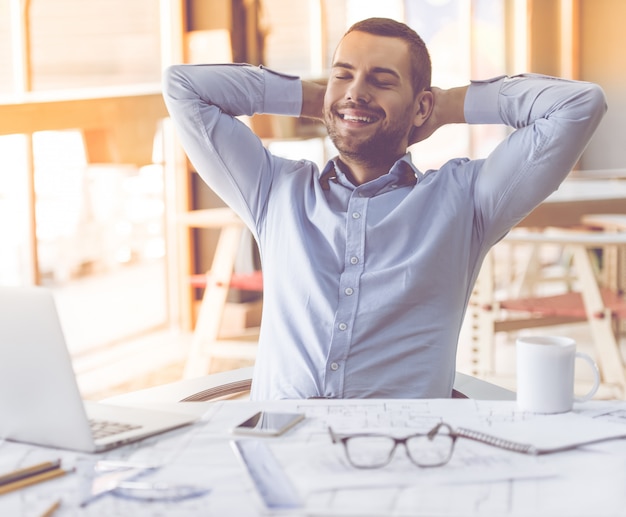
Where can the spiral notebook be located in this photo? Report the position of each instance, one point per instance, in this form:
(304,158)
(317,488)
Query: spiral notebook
(547,434)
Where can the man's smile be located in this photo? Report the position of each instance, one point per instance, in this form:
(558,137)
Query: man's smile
(357,118)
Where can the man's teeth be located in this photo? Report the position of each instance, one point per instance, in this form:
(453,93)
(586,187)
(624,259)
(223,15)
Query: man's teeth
(357,119)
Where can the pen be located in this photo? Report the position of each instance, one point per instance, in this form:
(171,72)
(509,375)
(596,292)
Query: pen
(31,480)
(33,470)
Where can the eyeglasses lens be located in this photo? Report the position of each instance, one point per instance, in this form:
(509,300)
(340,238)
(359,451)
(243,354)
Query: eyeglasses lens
(430,452)
(369,451)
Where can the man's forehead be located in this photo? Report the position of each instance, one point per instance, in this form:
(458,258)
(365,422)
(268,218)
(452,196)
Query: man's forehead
(358,49)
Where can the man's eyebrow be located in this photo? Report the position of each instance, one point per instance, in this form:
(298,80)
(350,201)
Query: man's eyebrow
(375,70)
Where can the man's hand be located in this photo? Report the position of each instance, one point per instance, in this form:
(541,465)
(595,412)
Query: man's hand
(448,108)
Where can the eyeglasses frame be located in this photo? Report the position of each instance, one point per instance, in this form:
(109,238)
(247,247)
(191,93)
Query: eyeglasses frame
(344,438)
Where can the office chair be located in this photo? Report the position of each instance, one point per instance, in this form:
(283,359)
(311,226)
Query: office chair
(237,383)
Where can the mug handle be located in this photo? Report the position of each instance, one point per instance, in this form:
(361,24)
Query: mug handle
(596,377)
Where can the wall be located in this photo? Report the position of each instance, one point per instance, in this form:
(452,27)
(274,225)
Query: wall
(78,43)
(289,27)
(600,39)
(544,36)
(6,73)
(603,60)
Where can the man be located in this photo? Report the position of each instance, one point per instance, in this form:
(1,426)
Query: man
(369,264)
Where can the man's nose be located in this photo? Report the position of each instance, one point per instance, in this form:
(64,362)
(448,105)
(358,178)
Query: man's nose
(358,91)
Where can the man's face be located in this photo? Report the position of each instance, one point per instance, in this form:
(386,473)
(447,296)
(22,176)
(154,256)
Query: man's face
(369,104)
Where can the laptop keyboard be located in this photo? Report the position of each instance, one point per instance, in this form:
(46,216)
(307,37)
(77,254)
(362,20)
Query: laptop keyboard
(105,428)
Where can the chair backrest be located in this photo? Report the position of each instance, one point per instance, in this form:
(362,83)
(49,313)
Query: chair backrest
(240,381)
(237,383)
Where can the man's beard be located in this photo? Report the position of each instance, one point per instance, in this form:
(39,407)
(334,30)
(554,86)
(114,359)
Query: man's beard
(381,148)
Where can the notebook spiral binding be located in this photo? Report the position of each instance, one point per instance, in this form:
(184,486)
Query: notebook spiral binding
(479,436)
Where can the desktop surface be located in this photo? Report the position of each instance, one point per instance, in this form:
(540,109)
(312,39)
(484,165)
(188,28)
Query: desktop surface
(310,475)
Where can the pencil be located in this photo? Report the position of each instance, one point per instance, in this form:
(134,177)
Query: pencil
(33,470)
(52,508)
(31,480)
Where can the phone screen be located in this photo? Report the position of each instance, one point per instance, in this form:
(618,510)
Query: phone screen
(268,423)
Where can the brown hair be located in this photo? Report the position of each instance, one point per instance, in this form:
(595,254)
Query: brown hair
(420,59)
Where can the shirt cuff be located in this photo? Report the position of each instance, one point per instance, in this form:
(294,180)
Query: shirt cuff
(283,93)
(482,101)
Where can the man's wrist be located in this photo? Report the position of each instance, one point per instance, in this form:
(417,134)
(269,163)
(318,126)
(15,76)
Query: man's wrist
(312,99)
(452,105)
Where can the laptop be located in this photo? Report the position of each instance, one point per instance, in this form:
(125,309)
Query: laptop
(40,402)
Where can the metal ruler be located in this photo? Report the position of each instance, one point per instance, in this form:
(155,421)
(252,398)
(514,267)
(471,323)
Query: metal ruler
(272,484)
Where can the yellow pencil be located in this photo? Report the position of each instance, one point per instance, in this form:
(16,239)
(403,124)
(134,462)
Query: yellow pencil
(16,475)
(53,508)
(31,480)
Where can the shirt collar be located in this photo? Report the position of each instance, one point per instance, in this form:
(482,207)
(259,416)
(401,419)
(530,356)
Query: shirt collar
(402,174)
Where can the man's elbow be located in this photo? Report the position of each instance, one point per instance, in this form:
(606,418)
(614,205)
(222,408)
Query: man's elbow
(596,99)
(171,82)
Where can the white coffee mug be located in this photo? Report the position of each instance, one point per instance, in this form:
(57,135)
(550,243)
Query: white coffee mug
(545,374)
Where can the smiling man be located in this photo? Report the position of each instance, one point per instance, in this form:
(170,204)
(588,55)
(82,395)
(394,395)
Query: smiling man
(374,98)
(369,264)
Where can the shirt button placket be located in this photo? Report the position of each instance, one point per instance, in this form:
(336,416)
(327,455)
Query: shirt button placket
(346,309)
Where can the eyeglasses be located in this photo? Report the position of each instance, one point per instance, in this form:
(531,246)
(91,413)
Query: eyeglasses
(371,451)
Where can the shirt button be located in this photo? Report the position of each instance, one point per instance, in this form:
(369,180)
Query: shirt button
(343,326)
(334,367)
(356,215)
(354,260)
(349,291)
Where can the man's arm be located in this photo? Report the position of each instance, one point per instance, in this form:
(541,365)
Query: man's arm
(553,118)
(204,101)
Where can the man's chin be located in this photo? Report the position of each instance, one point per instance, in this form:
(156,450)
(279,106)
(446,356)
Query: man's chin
(369,156)
(352,145)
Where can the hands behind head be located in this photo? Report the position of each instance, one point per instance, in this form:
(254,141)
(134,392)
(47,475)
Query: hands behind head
(448,107)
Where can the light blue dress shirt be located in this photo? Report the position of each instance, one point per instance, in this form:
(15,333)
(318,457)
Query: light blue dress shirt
(366,286)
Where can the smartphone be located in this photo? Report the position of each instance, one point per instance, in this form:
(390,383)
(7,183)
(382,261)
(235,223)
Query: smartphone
(267,423)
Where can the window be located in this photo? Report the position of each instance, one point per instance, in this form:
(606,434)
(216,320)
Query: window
(98,228)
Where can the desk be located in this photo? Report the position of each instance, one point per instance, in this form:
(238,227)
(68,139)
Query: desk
(578,197)
(599,174)
(564,208)
(614,259)
(479,480)
(206,342)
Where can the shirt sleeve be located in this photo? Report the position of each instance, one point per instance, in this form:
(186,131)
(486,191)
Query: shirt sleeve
(204,102)
(554,119)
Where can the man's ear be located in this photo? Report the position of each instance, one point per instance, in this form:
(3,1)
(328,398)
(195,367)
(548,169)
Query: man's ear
(424,123)
(424,103)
